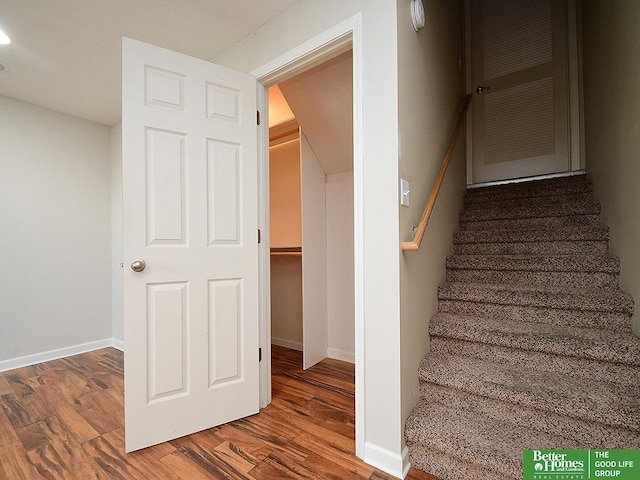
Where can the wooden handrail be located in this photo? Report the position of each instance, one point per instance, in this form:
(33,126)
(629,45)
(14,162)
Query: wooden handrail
(424,220)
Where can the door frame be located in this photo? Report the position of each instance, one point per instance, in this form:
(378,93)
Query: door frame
(575,141)
(344,36)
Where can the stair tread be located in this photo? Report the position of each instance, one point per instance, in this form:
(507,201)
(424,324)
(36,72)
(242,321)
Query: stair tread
(599,300)
(594,369)
(599,401)
(492,444)
(590,343)
(545,263)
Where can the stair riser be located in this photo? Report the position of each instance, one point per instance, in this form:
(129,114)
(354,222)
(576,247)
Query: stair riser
(541,263)
(543,187)
(554,279)
(610,321)
(545,223)
(480,197)
(548,362)
(448,467)
(563,201)
(585,433)
(564,234)
(596,248)
(609,301)
(455,441)
(541,211)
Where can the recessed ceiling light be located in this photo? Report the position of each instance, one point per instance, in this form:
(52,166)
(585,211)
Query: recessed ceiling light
(4,38)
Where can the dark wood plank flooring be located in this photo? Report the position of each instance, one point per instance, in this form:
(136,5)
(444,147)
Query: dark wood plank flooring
(64,419)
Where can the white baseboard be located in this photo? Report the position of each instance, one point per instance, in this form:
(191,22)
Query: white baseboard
(34,358)
(331,352)
(341,355)
(406,464)
(283,342)
(392,463)
(117,344)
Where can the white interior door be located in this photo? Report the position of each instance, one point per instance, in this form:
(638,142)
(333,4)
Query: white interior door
(315,338)
(518,77)
(190,212)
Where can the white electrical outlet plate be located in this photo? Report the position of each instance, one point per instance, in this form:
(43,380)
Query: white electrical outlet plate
(404,192)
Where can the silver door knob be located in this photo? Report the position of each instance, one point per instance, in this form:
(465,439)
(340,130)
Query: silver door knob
(482,88)
(138,265)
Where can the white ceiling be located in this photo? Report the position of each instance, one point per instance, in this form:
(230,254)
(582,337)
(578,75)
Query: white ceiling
(65,54)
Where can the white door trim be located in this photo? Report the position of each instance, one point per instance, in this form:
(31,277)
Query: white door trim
(468,89)
(338,39)
(575,93)
(264,249)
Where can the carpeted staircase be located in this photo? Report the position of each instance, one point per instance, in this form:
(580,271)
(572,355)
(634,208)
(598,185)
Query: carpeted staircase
(532,345)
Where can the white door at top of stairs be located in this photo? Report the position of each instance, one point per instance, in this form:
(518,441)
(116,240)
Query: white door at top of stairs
(518,75)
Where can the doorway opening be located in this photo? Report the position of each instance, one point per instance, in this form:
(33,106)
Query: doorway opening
(344,37)
(311,212)
(311,233)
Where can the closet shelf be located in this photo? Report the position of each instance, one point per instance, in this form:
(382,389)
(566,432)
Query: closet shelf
(286,251)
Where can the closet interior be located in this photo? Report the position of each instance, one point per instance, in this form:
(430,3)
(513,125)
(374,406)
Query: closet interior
(311,212)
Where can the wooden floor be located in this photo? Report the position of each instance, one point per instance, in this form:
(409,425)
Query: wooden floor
(64,420)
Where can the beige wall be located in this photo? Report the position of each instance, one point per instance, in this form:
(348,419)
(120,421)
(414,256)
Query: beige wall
(55,287)
(340,294)
(430,92)
(284,195)
(612,127)
(286,301)
(117,277)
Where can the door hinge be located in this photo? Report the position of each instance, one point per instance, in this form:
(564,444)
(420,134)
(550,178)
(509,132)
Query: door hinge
(259,236)
(258,116)
(259,354)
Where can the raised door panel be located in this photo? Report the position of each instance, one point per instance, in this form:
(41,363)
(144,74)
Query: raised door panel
(166,187)
(168,350)
(224,162)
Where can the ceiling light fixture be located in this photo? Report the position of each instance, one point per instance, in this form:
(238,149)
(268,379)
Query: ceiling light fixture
(4,38)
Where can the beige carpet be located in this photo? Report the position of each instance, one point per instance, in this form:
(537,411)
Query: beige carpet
(532,346)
